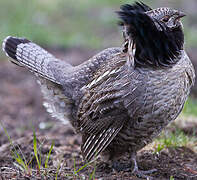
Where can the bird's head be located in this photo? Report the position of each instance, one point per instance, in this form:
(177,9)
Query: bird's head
(168,16)
(156,34)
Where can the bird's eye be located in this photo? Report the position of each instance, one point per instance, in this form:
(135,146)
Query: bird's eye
(165,19)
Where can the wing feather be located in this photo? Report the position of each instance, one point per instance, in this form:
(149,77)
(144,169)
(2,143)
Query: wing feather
(103,109)
(96,143)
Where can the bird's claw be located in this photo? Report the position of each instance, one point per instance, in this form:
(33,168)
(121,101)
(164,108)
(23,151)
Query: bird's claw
(127,167)
(143,174)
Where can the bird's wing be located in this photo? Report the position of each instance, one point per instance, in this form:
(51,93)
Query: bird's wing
(103,109)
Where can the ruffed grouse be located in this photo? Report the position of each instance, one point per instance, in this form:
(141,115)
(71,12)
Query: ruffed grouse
(122,98)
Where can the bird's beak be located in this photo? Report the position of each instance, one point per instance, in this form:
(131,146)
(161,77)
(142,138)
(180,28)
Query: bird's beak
(181,14)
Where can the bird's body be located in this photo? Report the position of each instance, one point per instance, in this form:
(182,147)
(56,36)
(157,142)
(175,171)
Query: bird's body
(150,98)
(120,99)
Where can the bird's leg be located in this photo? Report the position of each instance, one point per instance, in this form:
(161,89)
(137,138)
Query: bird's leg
(140,173)
(132,166)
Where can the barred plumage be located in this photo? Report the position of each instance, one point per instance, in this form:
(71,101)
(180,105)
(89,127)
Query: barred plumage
(122,98)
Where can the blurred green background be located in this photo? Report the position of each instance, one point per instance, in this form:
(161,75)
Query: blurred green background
(79,23)
(87,25)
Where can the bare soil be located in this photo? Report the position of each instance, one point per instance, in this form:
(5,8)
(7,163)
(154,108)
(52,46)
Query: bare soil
(21,108)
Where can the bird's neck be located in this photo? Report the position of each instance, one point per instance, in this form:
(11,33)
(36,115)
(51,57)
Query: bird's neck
(145,57)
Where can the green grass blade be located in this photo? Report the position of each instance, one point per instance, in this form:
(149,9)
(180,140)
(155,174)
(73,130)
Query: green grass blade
(5,130)
(57,172)
(21,162)
(75,167)
(81,168)
(92,175)
(87,164)
(35,149)
(48,155)
(15,154)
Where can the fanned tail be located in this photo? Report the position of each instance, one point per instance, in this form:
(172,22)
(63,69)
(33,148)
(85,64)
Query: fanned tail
(28,54)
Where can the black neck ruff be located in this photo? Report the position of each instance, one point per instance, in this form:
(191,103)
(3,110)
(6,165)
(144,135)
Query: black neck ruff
(155,47)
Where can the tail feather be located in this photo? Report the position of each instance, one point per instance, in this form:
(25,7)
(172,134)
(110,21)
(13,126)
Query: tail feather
(10,46)
(27,54)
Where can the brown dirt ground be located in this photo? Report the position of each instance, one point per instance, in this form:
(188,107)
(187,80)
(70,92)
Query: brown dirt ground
(21,108)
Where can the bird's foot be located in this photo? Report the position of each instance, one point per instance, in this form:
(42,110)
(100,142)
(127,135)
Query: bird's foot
(118,166)
(141,173)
